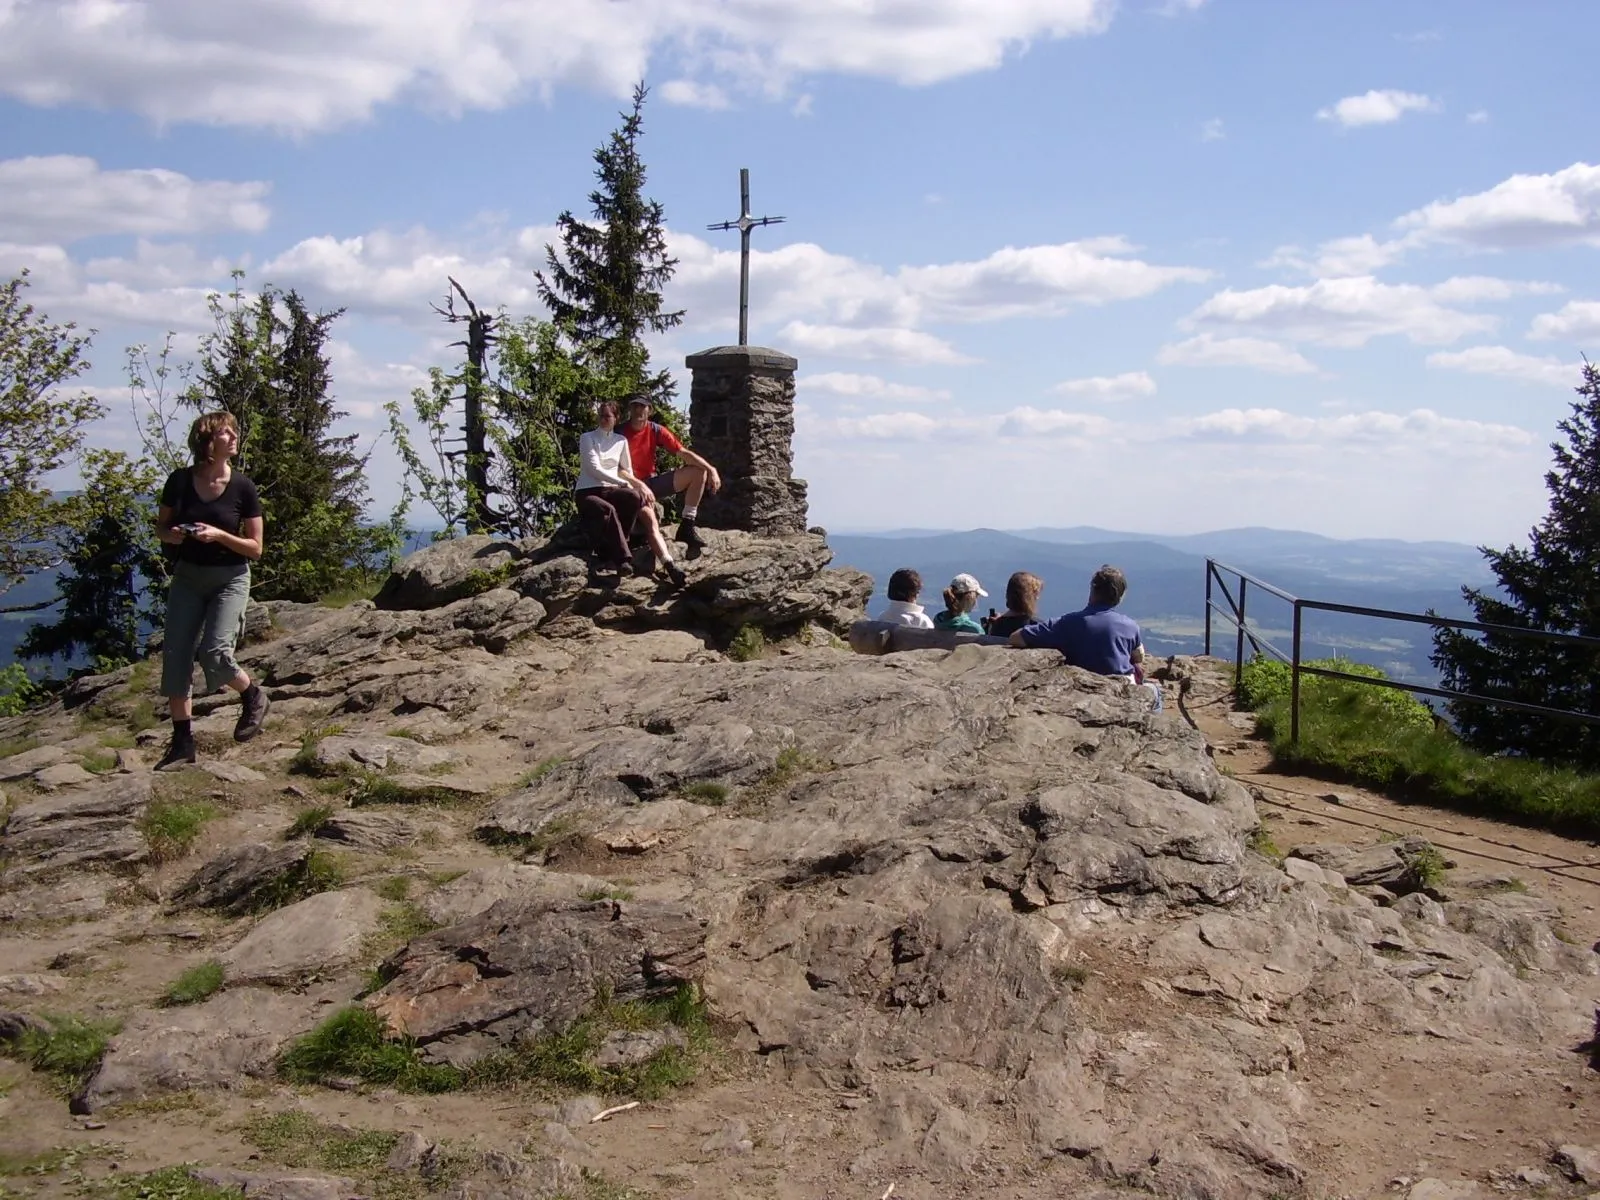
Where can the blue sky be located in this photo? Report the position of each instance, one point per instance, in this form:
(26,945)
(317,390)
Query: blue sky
(1162,265)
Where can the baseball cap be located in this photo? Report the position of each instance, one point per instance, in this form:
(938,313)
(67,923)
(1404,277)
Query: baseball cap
(967,583)
(641,401)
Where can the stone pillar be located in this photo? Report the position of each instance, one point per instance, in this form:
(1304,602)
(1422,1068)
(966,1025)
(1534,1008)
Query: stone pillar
(741,418)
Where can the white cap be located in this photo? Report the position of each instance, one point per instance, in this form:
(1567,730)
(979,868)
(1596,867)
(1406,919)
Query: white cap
(967,583)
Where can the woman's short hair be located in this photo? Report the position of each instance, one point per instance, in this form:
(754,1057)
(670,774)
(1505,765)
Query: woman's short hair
(1108,586)
(1022,593)
(205,428)
(905,585)
(606,406)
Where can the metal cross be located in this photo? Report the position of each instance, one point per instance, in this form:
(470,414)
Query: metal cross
(744,225)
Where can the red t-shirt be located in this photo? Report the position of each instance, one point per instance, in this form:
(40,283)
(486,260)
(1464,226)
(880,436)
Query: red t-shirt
(643,444)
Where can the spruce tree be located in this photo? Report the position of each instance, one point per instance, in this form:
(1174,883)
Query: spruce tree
(1553,585)
(604,287)
(270,369)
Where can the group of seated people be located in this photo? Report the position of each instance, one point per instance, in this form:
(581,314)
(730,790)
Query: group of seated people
(1096,637)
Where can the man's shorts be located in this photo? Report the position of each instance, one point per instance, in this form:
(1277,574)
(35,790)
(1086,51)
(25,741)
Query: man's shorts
(661,485)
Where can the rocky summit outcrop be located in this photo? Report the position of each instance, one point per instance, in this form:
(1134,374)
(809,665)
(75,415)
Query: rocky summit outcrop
(990,911)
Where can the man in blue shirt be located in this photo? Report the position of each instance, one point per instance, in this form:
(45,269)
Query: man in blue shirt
(1097,638)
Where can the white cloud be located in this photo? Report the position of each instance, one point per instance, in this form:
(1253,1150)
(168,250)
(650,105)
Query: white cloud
(362,385)
(1377,108)
(1027,422)
(895,427)
(1575,322)
(1505,363)
(1360,255)
(1474,289)
(1109,387)
(1212,130)
(303,65)
(1562,208)
(1419,425)
(1478,117)
(112,291)
(63,198)
(867,387)
(1208,350)
(882,345)
(691,94)
(1342,312)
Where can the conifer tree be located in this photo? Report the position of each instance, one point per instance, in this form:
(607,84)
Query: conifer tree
(1553,585)
(604,287)
(270,370)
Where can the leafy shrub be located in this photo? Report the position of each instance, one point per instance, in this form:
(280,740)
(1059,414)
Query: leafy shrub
(17,691)
(748,644)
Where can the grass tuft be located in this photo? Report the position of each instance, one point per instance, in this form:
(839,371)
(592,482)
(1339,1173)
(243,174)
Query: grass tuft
(297,1139)
(394,887)
(537,772)
(351,1043)
(169,1183)
(1385,740)
(1261,842)
(748,644)
(98,762)
(69,1049)
(372,788)
(606,893)
(171,826)
(320,872)
(308,820)
(705,791)
(194,985)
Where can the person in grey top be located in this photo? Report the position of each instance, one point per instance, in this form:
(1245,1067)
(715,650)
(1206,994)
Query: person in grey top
(210,515)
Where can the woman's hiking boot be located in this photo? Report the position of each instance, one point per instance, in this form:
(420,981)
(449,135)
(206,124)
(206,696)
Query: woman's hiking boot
(252,713)
(180,753)
(675,573)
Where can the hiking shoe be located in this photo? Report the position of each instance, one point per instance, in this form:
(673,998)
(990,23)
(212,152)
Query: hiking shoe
(181,753)
(689,535)
(252,713)
(675,573)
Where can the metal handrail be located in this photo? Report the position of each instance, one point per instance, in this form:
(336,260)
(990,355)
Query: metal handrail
(1235,614)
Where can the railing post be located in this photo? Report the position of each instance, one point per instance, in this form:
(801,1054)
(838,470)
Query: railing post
(1294,682)
(1238,649)
(1210,567)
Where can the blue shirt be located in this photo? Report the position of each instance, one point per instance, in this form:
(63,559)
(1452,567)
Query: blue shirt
(1097,638)
(960,622)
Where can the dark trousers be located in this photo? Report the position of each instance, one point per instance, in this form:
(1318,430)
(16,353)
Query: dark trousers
(607,515)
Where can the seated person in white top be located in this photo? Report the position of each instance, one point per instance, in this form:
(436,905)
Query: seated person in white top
(905,585)
(609,497)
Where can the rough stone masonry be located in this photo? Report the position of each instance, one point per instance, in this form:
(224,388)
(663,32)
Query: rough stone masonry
(741,418)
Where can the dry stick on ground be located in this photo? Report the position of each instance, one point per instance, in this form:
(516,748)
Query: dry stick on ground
(611,1112)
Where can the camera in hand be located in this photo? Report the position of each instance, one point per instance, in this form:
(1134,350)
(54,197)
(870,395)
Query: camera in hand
(191,528)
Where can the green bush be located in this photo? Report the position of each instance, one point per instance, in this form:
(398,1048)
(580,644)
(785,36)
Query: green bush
(1384,739)
(17,691)
(748,644)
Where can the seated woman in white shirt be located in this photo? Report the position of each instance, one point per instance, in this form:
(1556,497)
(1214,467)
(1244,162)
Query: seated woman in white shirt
(610,495)
(905,585)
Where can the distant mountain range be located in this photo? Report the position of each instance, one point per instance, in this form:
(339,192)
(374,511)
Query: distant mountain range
(1166,581)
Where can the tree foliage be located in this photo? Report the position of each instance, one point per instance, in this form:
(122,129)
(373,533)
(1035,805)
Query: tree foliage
(111,557)
(1552,585)
(604,287)
(267,364)
(41,428)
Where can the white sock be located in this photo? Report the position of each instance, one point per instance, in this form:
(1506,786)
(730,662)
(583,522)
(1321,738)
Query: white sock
(666,560)
(689,511)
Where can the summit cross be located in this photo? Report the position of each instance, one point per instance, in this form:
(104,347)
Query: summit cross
(744,225)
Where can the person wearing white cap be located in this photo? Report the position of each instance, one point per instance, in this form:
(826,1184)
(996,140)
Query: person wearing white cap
(960,598)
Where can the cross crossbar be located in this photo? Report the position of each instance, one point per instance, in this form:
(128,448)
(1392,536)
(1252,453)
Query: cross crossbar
(744,225)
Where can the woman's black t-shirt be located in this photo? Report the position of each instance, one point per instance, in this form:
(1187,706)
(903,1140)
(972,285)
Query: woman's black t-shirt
(238,502)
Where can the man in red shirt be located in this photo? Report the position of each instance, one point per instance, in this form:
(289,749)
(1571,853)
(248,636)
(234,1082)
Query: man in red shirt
(645,437)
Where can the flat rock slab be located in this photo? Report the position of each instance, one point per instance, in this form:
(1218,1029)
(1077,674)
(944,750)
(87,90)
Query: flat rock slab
(281,1185)
(1388,864)
(367,830)
(20,766)
(525,968)
(317,936)
(480,889)
(68,899)
(378,752)
(63,775)
(232,772)
(97,824)
(235,878)
(232,1037)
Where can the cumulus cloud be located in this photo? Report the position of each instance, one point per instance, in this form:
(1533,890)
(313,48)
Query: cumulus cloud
(113,291)
(690,94)
(1028,422)
(1561,208)
(1419,425)
(1344,312)
(1505,363)
(867,387)
(305,65)
(881,345)
(1360,255)
(1208,350)
(1377,107)
(1109,387)
(63,197)
(1578,321)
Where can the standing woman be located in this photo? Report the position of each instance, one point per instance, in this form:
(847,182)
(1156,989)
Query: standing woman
(212,515)
(610,496)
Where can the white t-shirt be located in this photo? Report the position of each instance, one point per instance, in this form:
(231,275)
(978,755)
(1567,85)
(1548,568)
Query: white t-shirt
(600,456)
(906,612)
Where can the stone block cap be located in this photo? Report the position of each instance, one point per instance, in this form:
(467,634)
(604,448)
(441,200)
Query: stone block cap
(732,357)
